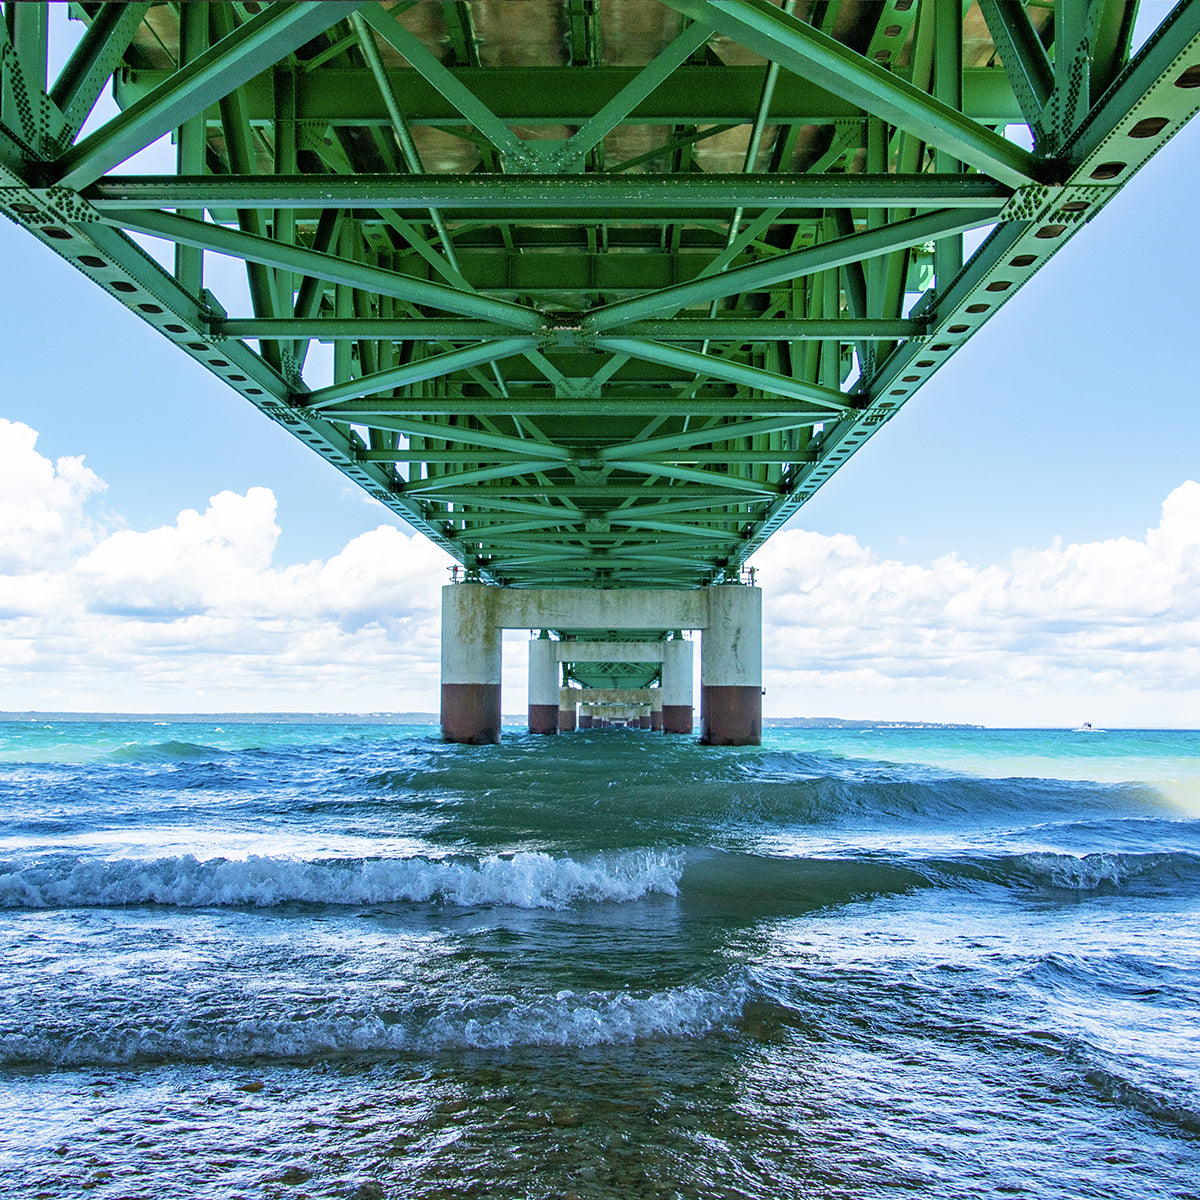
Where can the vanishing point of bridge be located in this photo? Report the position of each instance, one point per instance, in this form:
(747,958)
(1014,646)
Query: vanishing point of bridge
(593,293)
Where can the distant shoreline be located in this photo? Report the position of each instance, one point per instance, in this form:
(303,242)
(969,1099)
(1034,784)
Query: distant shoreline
(409,718)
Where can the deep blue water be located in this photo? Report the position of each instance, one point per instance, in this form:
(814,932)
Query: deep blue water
(325,960)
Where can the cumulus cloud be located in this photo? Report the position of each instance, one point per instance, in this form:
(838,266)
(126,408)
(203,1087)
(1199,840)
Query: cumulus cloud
(1078,623)
(197,615)
(42,514)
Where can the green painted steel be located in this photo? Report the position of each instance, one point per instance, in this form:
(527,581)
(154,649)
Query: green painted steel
(611,289)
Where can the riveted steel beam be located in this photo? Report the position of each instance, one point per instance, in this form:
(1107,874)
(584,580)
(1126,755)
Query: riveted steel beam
(92,62)
(711,479)
(687,440)
(677,329)
(547,193)
(791,266)
(633,93)
(375,413)
(680,357)
(207,235)
(735,372)
(448,84)
(461,478)
(805,51)
(1024,58)
(249,50)
(346,97)
(433,367)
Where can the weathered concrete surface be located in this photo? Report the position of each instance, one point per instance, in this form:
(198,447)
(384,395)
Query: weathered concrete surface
(543,718)
(731,668)
(543,686)
(730,716)
(587,608)
(596,696)
(471,638)
(568,699)
(471,713)
(471,664)
(677,701)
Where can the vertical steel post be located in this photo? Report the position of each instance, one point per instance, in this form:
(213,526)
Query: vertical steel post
(947,87)
(190,142)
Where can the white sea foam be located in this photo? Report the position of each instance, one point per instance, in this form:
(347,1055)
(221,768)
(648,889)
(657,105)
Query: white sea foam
(529,879)
(1091,871)
(485,1023)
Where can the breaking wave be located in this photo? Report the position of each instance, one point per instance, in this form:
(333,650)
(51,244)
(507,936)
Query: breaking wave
(566,1018)
(536,880)
(529,879)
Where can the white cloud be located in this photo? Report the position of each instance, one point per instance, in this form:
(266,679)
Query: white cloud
(42,518)
(200,563)
(1110,628)
(197,615)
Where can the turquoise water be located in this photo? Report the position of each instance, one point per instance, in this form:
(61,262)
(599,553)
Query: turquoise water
(323,960)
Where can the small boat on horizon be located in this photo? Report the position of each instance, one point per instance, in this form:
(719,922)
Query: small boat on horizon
(1088,727)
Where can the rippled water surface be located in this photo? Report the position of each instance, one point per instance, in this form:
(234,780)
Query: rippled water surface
(352,961)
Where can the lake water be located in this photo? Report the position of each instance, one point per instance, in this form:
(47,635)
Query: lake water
(352,961)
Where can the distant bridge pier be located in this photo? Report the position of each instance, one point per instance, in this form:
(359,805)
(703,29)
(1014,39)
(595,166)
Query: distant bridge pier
(677,704)
(728,616)
(543,685)
(568,699)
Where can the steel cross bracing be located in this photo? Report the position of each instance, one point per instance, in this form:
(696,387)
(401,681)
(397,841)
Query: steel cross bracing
(590,293)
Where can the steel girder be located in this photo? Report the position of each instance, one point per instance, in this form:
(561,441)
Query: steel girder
(610,290)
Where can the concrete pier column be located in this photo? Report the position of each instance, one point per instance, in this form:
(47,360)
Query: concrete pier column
(567,700)
(731,668)
(543,686)
(470,665)
(586,719)
(656,711)
(677,686)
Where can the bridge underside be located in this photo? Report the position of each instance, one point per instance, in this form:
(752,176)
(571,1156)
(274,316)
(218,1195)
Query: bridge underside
(592,294)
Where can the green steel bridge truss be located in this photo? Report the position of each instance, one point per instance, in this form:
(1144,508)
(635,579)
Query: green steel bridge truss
(592,293)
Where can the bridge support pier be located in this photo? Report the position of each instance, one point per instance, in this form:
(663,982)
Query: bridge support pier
(543,685)
(471,660)
(567,701)
(731,668)
(729,618)
(677,703)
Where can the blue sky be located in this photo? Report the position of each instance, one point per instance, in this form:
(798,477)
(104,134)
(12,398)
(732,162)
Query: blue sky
(1071,416)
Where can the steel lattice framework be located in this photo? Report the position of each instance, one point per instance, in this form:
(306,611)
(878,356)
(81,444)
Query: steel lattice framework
(611,286)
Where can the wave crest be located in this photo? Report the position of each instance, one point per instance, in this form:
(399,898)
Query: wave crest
(483,1023)
(529,879)
(1092,872)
